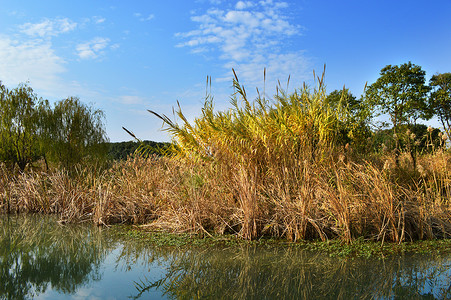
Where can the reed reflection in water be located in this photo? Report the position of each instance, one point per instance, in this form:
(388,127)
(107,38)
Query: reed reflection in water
(40,259)
(257,273)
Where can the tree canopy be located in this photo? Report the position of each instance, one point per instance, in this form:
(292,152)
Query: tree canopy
(18,125)
(343,98)
(355,115)
(75,132)
(440,99)
(31,129)
(400,92)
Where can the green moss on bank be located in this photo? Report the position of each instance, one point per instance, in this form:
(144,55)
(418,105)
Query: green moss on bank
(363,248)
(334,248)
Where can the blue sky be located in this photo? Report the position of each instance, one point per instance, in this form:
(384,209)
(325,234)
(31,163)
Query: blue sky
(125,57)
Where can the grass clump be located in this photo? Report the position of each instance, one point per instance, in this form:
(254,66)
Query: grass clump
(283,171)
(263,157)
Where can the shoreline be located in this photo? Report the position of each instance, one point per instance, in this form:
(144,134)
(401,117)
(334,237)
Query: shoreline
(359,247)
(334,248)
(326,202)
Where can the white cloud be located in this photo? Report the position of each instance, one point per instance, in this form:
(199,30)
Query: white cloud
(144,18)
(48,28)
(36,61)
(32,56)
(243,4)
(249,37)
(149,17)
(93,48)
(98,20)
(31,60)
(128,99)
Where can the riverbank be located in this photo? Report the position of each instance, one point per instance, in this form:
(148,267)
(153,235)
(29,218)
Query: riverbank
(347,201)
(303,166)
(334,248)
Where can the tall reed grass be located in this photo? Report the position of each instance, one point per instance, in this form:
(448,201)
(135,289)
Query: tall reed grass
(263,167)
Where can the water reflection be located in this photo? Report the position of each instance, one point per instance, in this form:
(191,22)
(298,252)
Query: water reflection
(36,254)
(255,273)
(40,259)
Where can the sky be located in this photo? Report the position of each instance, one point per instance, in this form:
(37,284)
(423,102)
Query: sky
(125,57)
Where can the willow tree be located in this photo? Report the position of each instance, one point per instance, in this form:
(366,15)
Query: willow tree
(400,92)
(75,132)
(18,126)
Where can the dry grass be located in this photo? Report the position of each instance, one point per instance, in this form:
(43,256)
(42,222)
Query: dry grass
(301,202)
(256,169)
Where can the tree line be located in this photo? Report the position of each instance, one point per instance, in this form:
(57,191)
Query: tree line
(402,94)
(122,150)
(70,131)
(64,134)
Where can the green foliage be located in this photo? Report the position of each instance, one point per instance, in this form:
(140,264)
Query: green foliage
(121,150)
(401,93)
(343,98)
(355,125)
(440,99)
(18,126)
(30,129)
(75,132)
(417,135)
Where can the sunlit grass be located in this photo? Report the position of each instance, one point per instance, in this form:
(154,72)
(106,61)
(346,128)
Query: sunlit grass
(262,168)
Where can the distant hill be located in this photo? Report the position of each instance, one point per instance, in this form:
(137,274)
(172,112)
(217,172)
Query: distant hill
(121,150)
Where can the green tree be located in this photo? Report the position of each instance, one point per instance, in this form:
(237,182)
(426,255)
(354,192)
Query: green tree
(400,92)
(440,99)
(343,98)
(355,117)
(18,126)
(122,150)
(75,132)
(43,119)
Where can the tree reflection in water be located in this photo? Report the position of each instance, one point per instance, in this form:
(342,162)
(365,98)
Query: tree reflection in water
(36,254)
(256,273)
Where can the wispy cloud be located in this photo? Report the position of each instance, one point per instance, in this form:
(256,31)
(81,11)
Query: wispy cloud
(48,27)
(130,99)
(30,54)
(93,48)
(249,37)
(144,18)
(98,20)
(243,4)
(31,60)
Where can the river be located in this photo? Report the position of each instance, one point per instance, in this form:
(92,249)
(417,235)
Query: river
(40,259)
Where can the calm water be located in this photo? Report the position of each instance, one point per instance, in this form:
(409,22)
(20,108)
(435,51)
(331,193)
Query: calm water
(42,260)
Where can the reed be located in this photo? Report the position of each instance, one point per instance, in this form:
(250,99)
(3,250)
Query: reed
(261,168)
(254,144)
